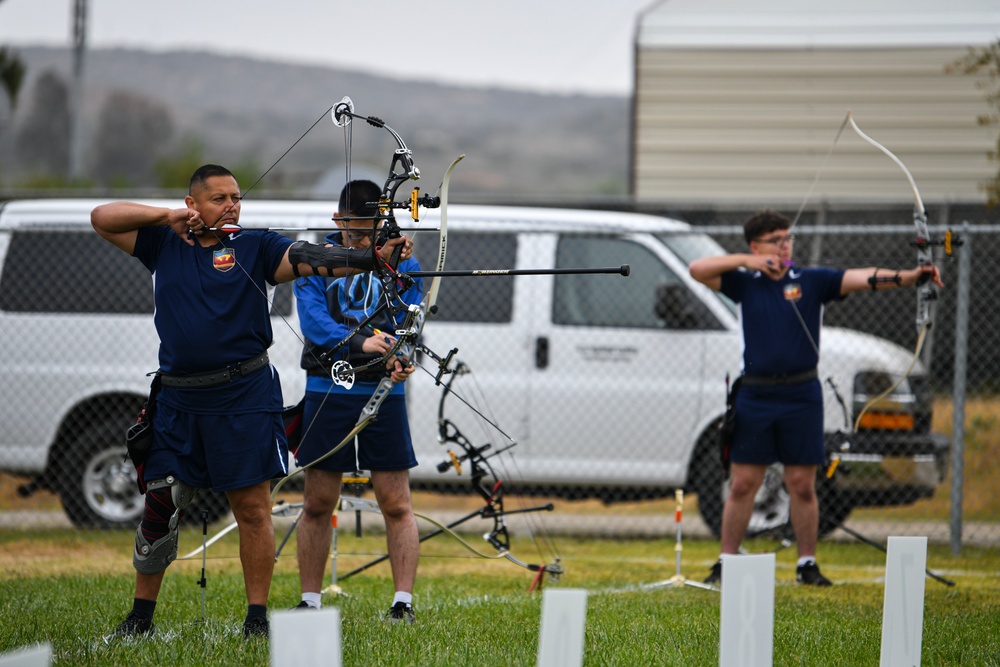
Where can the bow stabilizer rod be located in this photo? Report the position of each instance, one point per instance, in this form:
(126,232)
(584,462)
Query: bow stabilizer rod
(624,270)
(236,229)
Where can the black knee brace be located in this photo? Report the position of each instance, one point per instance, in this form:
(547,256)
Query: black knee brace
(156,515)
(156,537)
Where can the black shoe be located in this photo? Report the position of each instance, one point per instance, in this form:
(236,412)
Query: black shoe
(810,575)
(715,576)
(256,626)
(401,612)
(135,624)
(303,605)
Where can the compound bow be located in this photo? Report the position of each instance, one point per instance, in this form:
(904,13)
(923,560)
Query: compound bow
(484,481)
(383,227)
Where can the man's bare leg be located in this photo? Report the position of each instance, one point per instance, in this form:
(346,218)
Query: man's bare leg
(801,484)
(147,586)
(252,509)
(322,492)
(746,480)
(392,491)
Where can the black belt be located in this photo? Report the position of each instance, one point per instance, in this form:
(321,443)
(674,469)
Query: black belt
(219,376)
(775,380)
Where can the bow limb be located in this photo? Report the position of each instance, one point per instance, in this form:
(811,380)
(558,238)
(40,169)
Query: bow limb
(913,184)
(458,538)
(554,568)
(432,293)
(925,252)
(368,414)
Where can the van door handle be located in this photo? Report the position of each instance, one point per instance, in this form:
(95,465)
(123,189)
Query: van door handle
(541,352)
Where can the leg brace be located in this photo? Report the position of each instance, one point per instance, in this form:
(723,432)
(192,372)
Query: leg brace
(325,259)
(156,537)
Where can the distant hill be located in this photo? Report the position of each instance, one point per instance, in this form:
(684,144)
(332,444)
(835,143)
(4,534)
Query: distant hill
(517,143)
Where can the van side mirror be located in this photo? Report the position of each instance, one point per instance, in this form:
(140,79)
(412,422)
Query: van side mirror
(675,307)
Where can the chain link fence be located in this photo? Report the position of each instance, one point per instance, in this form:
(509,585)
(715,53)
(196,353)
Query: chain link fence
(596,393)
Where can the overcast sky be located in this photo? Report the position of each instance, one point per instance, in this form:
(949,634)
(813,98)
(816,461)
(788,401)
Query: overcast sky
(542,45)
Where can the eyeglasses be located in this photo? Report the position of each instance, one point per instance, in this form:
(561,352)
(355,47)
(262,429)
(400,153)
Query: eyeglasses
(777,240)
(358,236)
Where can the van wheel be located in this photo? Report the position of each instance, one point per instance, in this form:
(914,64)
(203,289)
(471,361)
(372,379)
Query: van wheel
(772,504)
(705,478)
(97,484)
(834,507)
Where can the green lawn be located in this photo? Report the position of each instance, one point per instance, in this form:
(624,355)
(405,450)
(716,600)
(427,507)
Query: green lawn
(71,587)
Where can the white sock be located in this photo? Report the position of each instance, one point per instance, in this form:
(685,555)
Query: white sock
(402,597)
(807,560)
(313,600)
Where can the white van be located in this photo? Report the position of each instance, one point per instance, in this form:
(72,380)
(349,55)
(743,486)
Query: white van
(610,386)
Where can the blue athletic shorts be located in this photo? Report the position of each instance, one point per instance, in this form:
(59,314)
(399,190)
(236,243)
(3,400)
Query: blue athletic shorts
(219,452)
(382,445)
(782,424)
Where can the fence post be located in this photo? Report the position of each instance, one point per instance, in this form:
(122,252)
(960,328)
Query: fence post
(958,390)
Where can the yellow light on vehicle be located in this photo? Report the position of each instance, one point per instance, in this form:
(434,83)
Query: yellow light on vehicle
(887,421)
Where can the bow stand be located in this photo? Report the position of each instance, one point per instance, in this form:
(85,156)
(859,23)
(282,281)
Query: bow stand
(484,482)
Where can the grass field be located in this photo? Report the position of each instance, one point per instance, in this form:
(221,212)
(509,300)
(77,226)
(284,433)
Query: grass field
(70,588)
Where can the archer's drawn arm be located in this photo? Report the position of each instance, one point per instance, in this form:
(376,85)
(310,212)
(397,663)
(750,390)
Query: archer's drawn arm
(876,279)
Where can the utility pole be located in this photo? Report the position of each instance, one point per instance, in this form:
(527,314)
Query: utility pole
(76,147)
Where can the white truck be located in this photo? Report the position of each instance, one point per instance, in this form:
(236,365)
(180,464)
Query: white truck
(611,387)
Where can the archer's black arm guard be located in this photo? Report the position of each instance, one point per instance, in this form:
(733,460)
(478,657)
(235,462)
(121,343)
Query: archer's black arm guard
(330,258)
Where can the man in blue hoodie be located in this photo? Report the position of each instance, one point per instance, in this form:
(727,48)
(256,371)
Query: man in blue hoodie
(329,309)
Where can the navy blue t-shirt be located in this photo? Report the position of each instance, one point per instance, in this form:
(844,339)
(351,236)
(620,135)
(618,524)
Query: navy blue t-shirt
(211,312)
(774,339)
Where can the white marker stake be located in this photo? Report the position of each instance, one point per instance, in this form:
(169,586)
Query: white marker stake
(305,638)
(564,616)
(33,656)
(903,613)
(747,623)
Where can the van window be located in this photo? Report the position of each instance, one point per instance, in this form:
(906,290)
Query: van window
(487,299)
(79,272)
(72,272)
(692,245)
(651,297)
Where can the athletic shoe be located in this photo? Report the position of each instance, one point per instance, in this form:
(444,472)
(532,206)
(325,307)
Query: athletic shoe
(135,624)
(303,605)
(256,626)
(715,576)
(809,574)
(401,612)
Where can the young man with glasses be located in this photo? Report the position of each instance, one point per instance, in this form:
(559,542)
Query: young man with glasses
(328,311)
(779,406)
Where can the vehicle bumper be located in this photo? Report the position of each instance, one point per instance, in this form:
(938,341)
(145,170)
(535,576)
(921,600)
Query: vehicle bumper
(878,469)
